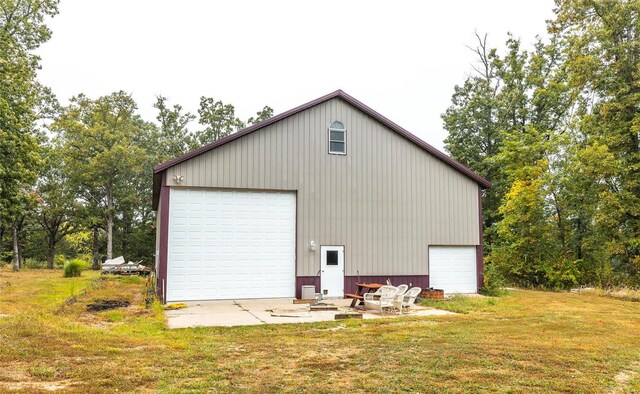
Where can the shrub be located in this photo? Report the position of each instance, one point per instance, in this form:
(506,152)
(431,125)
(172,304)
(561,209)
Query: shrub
(493,283)
(59,261)
(34,263)
(74,268)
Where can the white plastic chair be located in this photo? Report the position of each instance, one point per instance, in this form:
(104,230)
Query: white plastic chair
(405,300)
(382,298)
(402,289)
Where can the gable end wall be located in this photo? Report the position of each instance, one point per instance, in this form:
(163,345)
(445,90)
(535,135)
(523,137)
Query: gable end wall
(386,200)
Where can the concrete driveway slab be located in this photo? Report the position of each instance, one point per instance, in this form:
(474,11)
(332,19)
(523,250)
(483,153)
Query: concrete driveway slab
(229,313)
(210,314)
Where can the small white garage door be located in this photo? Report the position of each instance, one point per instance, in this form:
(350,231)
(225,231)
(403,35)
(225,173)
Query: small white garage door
(453,269)
(230,244)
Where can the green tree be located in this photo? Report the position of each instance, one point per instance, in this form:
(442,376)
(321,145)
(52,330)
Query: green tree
(56,202)
(98,138)
(474,123)
(22,30)
(264,114)
(219,120)
(174,138)
(602,39)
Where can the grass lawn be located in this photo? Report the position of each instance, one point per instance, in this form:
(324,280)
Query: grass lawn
(527,341)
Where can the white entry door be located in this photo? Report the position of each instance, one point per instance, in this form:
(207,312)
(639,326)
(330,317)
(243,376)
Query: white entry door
(332,271)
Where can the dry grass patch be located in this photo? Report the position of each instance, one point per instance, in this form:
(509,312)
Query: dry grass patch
(621,293)
(526,342)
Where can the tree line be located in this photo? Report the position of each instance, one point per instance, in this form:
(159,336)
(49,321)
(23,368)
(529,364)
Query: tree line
(556,128)
(75,180)
(557,131)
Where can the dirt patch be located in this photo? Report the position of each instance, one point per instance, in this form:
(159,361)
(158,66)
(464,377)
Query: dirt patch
(13,377)
(35,386)
(623,377)
(103,305)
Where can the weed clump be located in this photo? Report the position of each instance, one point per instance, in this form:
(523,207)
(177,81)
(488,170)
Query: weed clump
(74,268)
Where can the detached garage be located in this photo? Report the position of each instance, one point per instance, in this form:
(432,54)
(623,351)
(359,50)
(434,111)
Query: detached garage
(327,194)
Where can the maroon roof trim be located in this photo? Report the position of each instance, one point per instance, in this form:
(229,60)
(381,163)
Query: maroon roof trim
(344,96)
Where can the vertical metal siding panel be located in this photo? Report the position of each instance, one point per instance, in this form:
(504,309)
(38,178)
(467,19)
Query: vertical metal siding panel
(369,166)
(416,251)
(454,199)
(303,204)
(317,225)
(356,220)
(357,224)
(308,177)
(220,167)
(258,146)
(326,189)
(241,180)
(275,161)
(409,254)
(263,149)
(292,174)
(236,179)
(425,231)
(225,166)
(284,153)
(389,190)
(279,152)
(316,218)
(394,167)
(380,230)
(345,208)
(246,163)
(441,213)
(347,215)
(312,175)
(203,170)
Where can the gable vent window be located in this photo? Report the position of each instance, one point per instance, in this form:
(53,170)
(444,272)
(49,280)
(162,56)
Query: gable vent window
(337,139)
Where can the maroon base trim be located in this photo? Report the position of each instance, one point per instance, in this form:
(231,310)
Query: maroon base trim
(350,281)
(306,281)
(410,280)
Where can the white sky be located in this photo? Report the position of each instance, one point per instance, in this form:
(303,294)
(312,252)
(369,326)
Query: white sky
(401,58)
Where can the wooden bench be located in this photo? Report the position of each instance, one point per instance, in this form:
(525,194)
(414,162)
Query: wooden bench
(354,296)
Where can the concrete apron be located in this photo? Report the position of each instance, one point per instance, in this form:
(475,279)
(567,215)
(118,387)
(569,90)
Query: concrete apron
(229,313)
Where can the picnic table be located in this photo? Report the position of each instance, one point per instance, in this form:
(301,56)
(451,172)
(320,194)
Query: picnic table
(359,294)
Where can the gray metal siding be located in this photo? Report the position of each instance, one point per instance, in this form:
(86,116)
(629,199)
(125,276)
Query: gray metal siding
(386,200)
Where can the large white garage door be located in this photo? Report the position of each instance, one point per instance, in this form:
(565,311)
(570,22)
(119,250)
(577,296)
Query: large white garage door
(453,268)
(230,244)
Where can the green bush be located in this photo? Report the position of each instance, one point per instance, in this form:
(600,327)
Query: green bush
(494,284)
(74,268)
(59,261)
(34,263)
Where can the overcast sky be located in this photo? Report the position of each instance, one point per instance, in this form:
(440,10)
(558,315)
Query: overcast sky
(402,58)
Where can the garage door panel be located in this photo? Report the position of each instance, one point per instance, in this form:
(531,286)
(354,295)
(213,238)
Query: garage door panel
(453,268)
(228,244)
